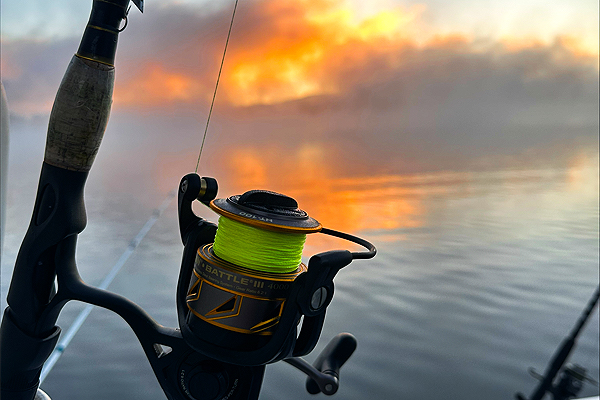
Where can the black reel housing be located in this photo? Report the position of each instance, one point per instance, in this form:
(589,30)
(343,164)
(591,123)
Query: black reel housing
(308,297)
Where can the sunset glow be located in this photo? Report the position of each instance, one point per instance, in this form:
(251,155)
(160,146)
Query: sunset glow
(311,48)
(293,64)
(155,85)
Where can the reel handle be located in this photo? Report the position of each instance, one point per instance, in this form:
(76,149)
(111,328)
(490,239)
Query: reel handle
(323,375)
(331,359)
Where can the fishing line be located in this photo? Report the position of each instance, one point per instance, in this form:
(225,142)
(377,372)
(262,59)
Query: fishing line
(258,249)
(212,103)
(78,322)
(262,231)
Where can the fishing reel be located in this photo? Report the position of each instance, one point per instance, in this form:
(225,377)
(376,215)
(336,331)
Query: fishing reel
(246,317)
(570,382)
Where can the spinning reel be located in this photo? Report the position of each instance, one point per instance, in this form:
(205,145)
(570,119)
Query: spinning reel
(245,318)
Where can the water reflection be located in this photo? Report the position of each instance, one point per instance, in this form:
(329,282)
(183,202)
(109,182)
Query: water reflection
(391,208)
(388,206)
(350,205)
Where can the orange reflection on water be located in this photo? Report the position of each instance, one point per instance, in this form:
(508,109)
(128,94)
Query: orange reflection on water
(387,207)
(308,175)
(582,172)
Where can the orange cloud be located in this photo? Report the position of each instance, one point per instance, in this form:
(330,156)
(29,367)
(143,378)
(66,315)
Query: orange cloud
(573,48)
(280,50)
(577,50)
(451,41)
(283,50)
(576,46)
(154,85)
(291,61)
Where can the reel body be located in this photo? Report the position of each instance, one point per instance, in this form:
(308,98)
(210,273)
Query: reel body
(236,299)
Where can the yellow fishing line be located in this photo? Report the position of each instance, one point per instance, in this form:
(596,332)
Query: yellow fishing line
(258,249)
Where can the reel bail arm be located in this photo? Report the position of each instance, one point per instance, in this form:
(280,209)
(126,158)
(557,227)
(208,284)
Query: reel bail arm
(193,187)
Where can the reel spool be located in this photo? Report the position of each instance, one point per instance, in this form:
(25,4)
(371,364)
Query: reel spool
(243,289)
(241,282)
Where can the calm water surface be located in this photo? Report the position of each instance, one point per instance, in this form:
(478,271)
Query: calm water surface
(479,276)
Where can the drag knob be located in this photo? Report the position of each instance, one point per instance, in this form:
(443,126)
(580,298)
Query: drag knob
(266,198)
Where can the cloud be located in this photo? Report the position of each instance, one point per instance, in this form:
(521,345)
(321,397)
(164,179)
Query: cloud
(31,72)
(367,91)
(287,50)
(303,48)
(280,51)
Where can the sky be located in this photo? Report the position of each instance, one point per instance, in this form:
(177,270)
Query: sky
(323,87)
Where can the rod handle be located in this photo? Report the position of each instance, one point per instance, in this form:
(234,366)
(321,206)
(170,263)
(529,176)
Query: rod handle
(82,105)
(79,115)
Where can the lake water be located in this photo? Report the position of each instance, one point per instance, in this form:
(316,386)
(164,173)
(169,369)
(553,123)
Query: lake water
(479,276)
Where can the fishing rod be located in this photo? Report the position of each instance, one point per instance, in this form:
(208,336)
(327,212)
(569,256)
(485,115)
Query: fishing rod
(244,298)
(572,377)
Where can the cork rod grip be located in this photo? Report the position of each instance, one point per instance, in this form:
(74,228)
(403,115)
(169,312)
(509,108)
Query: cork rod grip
(79,115)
